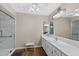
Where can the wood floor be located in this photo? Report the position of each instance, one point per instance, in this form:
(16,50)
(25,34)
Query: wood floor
(30,52)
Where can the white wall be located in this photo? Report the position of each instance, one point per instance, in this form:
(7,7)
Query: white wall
(62,27)
(29,29)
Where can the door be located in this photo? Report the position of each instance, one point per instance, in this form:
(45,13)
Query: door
(7,34)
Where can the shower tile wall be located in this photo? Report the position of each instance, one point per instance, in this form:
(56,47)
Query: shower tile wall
(7,26)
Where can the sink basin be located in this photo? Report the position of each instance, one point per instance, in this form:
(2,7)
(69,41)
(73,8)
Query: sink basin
(53,40)
(50,37)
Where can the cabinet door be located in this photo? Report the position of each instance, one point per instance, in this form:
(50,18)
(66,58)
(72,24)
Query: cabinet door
(56,52)
(48,48)
(43,43)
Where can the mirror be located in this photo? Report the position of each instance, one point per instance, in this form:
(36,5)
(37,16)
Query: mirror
(67,27)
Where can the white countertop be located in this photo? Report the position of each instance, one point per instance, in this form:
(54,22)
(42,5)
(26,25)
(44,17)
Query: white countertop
(66,48)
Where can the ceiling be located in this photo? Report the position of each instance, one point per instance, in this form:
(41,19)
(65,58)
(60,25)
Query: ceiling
(70,6)
(44,8)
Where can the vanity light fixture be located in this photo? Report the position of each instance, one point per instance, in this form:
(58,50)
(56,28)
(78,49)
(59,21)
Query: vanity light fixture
(60,11)
(58,14)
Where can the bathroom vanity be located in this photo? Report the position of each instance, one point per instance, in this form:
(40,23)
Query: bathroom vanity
(59,46)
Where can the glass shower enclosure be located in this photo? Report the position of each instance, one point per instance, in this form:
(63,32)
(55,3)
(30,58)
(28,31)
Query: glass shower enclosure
(7,33)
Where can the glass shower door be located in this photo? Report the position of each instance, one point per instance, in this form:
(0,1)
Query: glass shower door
(7,34)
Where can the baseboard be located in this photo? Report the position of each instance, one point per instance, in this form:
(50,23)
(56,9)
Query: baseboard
(37,46)
(25,47)
(20,48)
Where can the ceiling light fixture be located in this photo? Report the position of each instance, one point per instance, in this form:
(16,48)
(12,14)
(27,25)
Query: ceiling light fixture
(35,8)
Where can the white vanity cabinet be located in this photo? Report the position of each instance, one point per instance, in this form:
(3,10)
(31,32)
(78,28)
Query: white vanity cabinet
(50,49)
